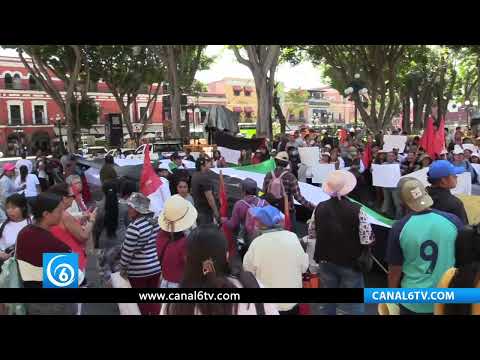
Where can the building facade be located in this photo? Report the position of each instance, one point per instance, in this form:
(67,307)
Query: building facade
(240,96)
(326,105)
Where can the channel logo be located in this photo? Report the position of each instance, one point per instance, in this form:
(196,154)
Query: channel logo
(60,270)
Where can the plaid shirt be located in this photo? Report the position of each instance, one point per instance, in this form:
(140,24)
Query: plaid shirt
(290,184)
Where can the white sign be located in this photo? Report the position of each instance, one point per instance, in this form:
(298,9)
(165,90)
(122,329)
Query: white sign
(320,172)
(230,155)
(309,156)
(464,184)
(420,175)
(386,176)
(476,168)
(137,127)
(391,142)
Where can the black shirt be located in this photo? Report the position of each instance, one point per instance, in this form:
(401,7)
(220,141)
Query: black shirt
(443,200)
(201,182)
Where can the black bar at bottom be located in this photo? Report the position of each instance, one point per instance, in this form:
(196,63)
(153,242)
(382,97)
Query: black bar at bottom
(97,295)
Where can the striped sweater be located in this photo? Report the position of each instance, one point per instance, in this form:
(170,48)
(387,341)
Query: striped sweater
(139,250)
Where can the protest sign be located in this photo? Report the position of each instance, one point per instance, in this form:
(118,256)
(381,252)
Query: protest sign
(386,176)
(320,172)
(309,156)
(391,142)
(476,167)
(420,175)
(464,184)
(230,155)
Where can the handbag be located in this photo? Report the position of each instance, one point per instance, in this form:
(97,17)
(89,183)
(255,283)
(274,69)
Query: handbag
(364,262)
(10,278)
(310,280)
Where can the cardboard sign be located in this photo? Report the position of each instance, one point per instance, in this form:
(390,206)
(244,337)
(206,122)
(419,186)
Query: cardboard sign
(391,142)
(386,176)
(309,156)
(231,156)
(420,175)
(320,172)
(464,184)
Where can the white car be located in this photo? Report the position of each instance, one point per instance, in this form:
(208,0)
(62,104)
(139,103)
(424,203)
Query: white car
(166,149)
(93,152)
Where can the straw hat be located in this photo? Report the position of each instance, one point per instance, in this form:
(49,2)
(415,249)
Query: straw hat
(339,183)
(178,215)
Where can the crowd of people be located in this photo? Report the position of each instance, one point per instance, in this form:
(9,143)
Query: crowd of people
(47,207)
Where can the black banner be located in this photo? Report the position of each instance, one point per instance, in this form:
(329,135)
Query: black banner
(97,295)
(237,143)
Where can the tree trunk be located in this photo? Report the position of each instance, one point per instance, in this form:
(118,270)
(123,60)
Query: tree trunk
(175,96)
(69,121)
(278,110)
(406,115)
(264,109)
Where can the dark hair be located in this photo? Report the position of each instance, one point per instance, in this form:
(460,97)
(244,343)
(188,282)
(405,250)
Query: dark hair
(24,155)
(127,187)
(23,173)
(45,202)
(109,159)
(201,161)
(110,220)
(59,189)
(467,262)
(203,243)
(19,201)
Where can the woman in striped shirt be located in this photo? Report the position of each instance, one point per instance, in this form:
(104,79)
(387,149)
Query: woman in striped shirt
(139,259)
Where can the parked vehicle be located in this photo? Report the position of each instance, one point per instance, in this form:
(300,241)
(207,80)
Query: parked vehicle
(163,148)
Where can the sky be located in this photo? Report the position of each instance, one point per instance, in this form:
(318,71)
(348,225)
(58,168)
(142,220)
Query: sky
(303,76)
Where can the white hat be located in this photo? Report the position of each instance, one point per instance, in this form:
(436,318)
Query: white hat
(476,154)
(178,214)
(457,150)
(470,147)
(339,183)
(324,131)
(326,154)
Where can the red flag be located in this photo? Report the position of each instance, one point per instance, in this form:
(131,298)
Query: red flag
(367,155)
(343,136)
(439,142)
(224,213)
(149,180)
(286,210)
(428,139)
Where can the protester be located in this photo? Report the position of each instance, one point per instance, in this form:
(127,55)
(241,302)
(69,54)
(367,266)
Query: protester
(257,157)
(325,159)
(238,221)
(282,182)
(202,192)
(42,174)
(391,197)
(176,162)
(245,158)
(421,246)
(78,208)
(207,267)
(69,230)
(218,161)
(31,182)
(276,257)
(139,260)
(17,219)
(177,217)
(24,161)
(7,184)
(291,142)
(188,155)
(183,191)
(107,172)
(443,177)
(340,241)
(425,161)
(35,240)
(409,164)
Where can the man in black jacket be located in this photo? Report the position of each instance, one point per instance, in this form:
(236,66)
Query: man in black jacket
(443,177)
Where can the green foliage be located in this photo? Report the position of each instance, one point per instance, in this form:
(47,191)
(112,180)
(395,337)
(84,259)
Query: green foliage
(88,112)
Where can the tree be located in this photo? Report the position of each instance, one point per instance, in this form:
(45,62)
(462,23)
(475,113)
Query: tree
(377,66)
(64,62)
(182,63)
(295,101)
(86,111)
(262,60)
(127,71)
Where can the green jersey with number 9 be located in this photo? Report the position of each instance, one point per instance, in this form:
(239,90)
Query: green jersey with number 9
(423,244)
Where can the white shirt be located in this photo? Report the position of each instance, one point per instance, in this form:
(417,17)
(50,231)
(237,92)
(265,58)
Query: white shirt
(25,162)
(10,232)
(32,182)
(158,198)
(277,260)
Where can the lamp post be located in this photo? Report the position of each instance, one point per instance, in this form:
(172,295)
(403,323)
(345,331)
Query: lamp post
(355,89)
(468,109)
(59,124)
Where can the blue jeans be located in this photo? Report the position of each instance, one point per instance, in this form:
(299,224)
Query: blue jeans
(336,276)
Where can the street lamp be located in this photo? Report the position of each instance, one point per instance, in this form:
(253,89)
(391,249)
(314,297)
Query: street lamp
(357,89)
(59,124)
(468,109)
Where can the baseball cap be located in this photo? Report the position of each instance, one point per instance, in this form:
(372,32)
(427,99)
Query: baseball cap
(414,195)
(268,215)
(443,168)
(8,167)
(249,185)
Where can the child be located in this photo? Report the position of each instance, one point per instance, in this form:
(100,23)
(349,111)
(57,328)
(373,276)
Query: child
(182,190)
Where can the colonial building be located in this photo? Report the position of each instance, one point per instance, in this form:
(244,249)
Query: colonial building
(30,118)
(240,96)
(327,105)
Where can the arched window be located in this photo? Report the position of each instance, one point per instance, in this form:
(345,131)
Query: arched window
(17,82)
(8,81)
